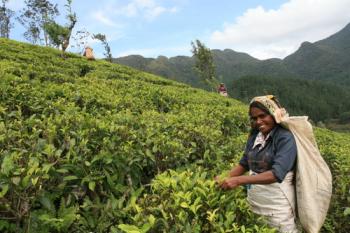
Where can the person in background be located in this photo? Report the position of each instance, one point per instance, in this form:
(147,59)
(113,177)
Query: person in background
(269,156)
(88,53)
(222,89)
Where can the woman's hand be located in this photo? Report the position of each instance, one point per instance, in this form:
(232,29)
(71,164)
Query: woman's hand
(230,180)
(230,183)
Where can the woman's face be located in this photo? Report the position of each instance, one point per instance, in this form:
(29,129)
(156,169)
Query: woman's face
(261,120)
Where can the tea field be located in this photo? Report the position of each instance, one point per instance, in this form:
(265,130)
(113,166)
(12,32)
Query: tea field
(90,146)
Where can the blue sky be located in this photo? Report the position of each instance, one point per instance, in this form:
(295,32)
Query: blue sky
(263,29)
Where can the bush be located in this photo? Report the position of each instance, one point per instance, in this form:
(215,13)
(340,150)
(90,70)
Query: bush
(190,201)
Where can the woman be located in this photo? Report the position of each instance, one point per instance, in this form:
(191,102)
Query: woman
(222,89)
(269,157)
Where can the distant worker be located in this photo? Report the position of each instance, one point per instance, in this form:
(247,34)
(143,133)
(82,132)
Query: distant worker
(222,89)
(88,53)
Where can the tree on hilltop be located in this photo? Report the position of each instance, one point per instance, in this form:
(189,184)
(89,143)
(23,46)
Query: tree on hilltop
(5,20)
(34,16)
(204,63)
(60,35)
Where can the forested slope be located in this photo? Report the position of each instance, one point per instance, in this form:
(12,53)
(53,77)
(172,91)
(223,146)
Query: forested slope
(319,100)
(90,146)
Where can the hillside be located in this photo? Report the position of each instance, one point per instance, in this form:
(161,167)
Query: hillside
(90,146)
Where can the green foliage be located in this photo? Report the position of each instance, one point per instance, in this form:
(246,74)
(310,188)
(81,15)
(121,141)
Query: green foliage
(345,117)
(335,149)
(60,35)
(90,146)
(79,131)
(190,201)
(204,63)
(56,32)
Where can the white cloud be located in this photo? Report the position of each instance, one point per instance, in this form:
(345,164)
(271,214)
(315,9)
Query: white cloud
(100,17)
(144,3)
(155,12)
(148,9)
(130,10)
(267,33)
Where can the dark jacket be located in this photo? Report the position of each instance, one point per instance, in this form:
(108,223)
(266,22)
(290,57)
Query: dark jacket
(278,154)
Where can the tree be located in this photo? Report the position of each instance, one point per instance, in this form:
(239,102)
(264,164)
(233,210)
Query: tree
(34,16)
(60,35)
(102,38)
(204,63)
(56,33)
(5,20)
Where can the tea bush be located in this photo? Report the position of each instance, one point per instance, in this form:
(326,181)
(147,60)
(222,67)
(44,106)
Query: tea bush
(335,148)
(190,201)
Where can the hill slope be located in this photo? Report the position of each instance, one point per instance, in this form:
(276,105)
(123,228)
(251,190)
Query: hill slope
(99,147)
(327,59)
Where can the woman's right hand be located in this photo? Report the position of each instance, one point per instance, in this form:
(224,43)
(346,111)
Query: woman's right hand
(218,179)
(230,183)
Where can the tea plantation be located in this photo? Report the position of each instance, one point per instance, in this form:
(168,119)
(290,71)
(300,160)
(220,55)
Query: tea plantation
(90,146)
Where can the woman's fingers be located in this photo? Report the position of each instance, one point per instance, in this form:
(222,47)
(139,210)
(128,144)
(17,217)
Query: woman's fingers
(229,183)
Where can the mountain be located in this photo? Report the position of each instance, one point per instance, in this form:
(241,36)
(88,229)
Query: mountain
(326,60)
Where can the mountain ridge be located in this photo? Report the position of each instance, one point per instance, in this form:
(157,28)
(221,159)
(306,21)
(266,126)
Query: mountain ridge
(327,60)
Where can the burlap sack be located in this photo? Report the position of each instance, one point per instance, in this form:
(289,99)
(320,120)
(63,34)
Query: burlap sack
(88,53)
(313,177)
